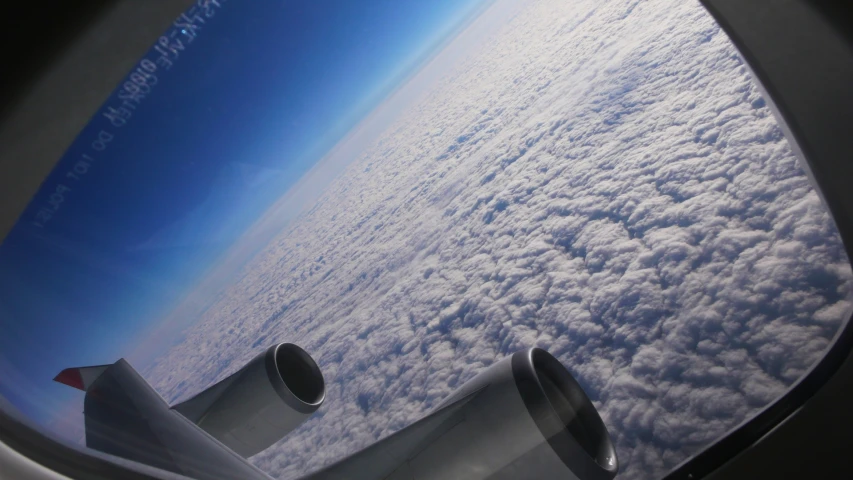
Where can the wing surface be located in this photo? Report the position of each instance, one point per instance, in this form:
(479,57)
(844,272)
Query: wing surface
(381,459)
(125,417)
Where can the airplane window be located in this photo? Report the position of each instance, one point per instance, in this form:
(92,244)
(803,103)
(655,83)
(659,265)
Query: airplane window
(519,236)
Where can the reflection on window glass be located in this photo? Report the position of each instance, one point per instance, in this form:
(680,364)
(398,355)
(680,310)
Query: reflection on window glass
(413,192)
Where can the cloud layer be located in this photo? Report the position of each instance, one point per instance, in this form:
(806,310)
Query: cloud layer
(602,180)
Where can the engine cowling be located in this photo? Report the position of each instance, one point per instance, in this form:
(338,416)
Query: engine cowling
(530,420)
(260,403)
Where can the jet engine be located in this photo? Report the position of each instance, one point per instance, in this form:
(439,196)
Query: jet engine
(260,403)
(525,417)
(531,419)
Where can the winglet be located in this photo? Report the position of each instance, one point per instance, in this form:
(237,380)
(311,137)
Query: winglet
(80,378)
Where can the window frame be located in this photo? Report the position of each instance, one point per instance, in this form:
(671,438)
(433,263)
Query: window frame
(800,53)
(822,35)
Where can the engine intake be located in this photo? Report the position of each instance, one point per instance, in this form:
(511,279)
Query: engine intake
(564,415)
(299,372)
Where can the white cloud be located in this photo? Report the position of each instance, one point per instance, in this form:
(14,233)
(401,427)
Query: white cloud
(602,180)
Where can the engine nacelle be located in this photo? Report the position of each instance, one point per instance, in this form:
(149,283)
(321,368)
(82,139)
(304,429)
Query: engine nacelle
(529,420)
(260,403)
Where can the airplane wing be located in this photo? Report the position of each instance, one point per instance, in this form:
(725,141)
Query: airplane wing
(125,417)
(210,435)
(524,417)
(382,458)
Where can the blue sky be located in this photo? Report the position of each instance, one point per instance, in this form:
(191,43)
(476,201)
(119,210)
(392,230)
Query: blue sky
(260,94)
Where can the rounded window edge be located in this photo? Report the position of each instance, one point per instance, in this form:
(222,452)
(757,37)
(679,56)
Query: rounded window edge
(823,152)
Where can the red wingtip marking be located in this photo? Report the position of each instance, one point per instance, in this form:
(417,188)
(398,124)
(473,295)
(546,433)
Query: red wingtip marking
(71,377)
